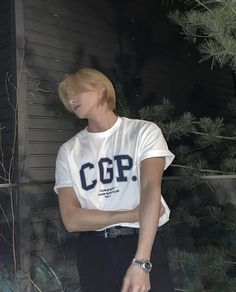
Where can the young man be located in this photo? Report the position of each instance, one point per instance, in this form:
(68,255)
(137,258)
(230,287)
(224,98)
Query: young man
(108,180)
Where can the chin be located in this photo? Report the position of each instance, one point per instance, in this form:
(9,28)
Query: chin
(81,115)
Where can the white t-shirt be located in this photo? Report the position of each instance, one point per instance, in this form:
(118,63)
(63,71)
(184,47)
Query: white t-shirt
(104,167)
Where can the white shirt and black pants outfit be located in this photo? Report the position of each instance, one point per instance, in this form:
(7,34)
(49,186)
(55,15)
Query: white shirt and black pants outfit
(104,170)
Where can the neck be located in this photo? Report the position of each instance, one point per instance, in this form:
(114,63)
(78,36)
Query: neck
(101,122)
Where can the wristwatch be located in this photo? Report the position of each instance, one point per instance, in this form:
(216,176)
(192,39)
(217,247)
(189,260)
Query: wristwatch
(146,265)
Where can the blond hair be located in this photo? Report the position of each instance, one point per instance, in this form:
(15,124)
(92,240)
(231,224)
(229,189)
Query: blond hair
(77,81)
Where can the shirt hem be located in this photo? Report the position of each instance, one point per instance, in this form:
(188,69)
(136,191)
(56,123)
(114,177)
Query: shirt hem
(160,153)
(61,186)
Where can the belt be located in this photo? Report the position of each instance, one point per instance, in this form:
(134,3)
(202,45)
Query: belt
(114,232)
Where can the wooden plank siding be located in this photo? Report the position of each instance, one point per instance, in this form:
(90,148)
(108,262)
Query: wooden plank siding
(7,131)
(6,111)
(60,36)
(57,42)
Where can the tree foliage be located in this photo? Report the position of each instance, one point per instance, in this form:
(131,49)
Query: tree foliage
(211,25)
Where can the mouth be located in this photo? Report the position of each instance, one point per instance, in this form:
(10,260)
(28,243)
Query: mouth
(76,107)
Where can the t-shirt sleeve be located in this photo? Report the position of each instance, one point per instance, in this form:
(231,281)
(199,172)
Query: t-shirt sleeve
(62,173)
(153,144)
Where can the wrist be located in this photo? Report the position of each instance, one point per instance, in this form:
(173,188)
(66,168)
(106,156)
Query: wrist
(122,216)
(128,216)
(143,253)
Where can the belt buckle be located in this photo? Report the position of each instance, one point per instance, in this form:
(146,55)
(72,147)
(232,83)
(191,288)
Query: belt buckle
(111,232)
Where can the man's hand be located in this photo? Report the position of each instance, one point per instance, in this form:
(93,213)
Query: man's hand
(136,280)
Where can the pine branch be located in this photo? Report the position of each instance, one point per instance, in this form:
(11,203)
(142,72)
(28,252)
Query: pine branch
(160,112)
(5,216)
(217,136)
(218,215)
(179,128)
(230,164)
(201,4)
(192,220)
(213,25)
(201,170)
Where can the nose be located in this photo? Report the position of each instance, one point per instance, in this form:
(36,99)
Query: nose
(72,101)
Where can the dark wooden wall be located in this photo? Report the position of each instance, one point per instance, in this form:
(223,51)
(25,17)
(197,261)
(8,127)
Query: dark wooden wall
(6,129)
(8,143)
(6,70)
(59,37)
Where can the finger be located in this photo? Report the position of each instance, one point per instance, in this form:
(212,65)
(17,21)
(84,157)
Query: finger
(125,287)
(138,289)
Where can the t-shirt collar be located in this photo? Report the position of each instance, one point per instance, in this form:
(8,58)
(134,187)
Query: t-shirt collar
(106,133)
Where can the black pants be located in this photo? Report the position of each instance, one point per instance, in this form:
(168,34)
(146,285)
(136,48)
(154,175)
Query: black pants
(102,263)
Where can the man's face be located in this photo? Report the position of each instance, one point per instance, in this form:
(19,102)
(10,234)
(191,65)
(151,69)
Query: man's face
(84,103)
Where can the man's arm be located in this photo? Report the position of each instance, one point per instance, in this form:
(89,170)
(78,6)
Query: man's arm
(152,169)
(76,218)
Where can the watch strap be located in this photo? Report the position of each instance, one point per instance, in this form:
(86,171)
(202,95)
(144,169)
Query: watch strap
(146,265)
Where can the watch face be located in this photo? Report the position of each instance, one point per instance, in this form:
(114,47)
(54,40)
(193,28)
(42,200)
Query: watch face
(148,266)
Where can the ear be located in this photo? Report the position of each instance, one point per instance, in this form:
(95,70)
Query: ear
(100,88)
